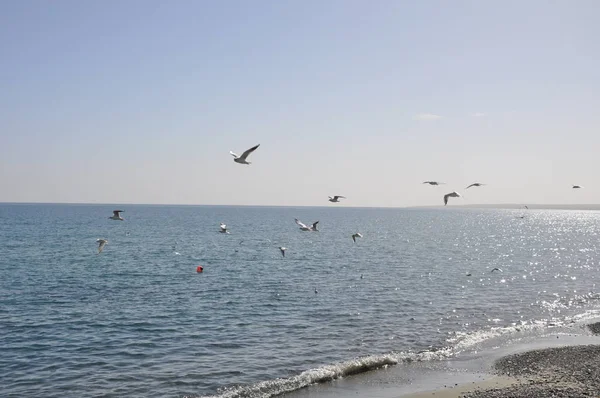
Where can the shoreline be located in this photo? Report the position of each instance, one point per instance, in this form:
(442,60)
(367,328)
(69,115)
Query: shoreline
(569,371)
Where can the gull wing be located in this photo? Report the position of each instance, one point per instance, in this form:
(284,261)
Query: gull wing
(314,225)
(472,185)
(101,244)
(248,152)
(116,212)
(446,196)
(300,223)
(234,154)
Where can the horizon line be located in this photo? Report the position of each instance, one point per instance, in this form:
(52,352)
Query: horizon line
(557,206)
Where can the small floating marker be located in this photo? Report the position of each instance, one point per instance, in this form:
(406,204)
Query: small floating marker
(199,269)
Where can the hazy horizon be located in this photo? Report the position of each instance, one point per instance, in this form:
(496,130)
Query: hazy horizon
(141,102)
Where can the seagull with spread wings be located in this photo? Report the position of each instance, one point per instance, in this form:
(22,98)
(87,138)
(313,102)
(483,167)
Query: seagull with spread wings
(304,227)
(101,244)
(476,184)
(336,198)
(116,215)
(450,195)
(242,159)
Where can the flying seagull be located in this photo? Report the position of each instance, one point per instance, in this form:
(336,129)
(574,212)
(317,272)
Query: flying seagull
(476,184)
(356,235)
(116,215)
(101,244)
(434,182)
(282,249)
(242,159)
(224,229)
(496,269)
(450,195)
(336,198)
(303,227)
(577,186)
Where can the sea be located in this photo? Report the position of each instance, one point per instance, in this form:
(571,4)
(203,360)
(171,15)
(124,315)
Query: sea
(138,320)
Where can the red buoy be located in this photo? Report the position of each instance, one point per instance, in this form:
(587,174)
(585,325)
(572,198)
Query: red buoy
(199,269)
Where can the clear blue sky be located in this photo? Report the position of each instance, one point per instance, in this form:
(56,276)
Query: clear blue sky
(141,101)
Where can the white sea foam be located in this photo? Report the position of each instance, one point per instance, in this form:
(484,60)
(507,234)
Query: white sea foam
(460,342)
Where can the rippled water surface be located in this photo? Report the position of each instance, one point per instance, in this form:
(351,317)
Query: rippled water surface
(138,321)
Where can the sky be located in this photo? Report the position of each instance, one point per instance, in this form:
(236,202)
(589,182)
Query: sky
(140,101)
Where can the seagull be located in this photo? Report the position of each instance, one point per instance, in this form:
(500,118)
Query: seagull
(316,291)
(450,195)
(116,215)
(282,249)
(476,184)
(577,186)
(336,198)
(224,229)
(242,159)
(303,227)
(434,182)
(496,269)
(356,235)
(101,244)
(468,274)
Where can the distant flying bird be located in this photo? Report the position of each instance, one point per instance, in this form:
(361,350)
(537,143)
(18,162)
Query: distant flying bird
(434,182)
(242,159)
(282,249)
(356,235)
(101,244)
(476,184)
(116,215)
(525,207)
(496,269)
(303,227)
(336,198)
(223,229)
(450,195)
(577,186)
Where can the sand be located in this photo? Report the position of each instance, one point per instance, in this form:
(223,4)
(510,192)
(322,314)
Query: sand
(572,371)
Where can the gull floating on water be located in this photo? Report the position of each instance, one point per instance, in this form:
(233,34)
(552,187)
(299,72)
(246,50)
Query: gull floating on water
(336,198)
(356,235)
(282,250)
(116,215)
(223,229)
(577,186)
(450,195)
(101,244)
(303,226)
(242,159)
(434,182)
(475,184)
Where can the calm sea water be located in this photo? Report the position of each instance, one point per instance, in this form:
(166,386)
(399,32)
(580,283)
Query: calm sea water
(138,321)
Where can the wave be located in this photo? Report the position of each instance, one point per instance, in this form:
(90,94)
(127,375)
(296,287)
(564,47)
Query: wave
(459,342)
